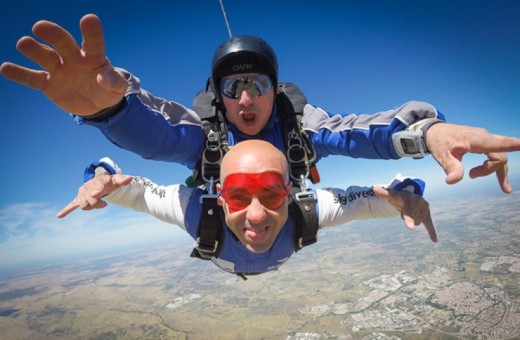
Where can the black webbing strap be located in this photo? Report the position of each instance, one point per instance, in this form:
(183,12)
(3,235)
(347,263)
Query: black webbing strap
(301,155)
(303,209)
(207,243)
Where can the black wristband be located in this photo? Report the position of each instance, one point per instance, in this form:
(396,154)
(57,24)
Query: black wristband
(106,113)
(426,126)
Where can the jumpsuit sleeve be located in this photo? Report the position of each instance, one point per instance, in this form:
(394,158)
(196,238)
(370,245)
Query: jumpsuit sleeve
(363,135)
(339,206)
(152,127)
(166,203)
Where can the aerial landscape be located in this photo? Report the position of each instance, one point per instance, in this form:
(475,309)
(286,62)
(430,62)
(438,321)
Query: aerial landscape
(365,280)
(117,274)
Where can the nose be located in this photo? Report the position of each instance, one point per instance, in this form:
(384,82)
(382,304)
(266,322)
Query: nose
(245,99)
(256,211)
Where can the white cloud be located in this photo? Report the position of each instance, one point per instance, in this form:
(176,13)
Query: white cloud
(32,232)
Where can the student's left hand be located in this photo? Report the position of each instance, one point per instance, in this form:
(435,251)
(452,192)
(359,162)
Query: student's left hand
(414,209)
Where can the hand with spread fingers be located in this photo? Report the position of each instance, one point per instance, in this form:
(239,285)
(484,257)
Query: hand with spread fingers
(414,209)
(448,143)
(90,195)
(79,80)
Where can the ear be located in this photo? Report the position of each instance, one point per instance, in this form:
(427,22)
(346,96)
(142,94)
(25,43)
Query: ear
(220,199)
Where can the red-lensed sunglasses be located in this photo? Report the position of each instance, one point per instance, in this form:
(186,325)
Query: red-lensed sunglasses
(269,187)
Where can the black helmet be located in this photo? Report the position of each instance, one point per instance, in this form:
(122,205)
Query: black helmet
(243,54)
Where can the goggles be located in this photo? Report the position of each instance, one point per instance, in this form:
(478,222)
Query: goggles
(269,187)
(256,85)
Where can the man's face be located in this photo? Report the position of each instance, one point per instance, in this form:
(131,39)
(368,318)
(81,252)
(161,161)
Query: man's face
(255,197)
(250,109)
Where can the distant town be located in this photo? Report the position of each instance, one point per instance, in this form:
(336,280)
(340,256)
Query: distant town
(365,280)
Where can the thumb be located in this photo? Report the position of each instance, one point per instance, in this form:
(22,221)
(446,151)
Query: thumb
(116,181)
(452,166)
(381,192)
(388,196)
(112,80)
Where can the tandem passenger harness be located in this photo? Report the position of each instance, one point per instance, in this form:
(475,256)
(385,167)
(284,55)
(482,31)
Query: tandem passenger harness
(300,154)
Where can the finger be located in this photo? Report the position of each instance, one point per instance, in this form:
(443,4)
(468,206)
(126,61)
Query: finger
(93,198)
(106,185)
(58,37)
(486,143)
(391,196)
(90,199)
(485,169)
(503,180)
(494,162)
(395,200)
(452,165)
(93,38)
(73,205)
(41,54)
(36,80)
(409,221)
(497,163)
(119,180)
(381,192)
(430,228)
(100,204)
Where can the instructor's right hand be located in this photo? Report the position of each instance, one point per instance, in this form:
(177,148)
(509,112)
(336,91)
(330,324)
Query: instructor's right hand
(79,80)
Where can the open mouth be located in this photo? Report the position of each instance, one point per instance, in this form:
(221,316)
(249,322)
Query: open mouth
(255,233)
(248,117)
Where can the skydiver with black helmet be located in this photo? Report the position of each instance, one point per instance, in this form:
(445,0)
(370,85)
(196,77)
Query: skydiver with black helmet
(82,81)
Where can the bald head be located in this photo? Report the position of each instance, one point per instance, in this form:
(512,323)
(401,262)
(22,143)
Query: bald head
(256,202)
(254,156)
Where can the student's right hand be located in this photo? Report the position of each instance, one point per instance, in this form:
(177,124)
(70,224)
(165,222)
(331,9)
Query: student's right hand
(79,80)
(91,193)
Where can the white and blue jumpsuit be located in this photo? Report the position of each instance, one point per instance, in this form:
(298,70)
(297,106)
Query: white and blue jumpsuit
(180,205)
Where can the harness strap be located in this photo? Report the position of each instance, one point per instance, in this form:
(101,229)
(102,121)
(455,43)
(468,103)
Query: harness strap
(301,155)
(207,244)
(212,155)
(303,209)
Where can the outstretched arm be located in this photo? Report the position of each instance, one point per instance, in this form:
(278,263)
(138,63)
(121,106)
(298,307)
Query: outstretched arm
(167,203)
(370,136)
(448,143)
(82,81)
(79,80)
(402,198)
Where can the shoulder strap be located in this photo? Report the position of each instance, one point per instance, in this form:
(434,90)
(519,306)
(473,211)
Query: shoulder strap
(303,210)
(301,155)
(207,172)
(214,126)
(208,242)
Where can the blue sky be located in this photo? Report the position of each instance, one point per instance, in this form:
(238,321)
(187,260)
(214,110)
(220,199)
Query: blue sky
(347,56)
